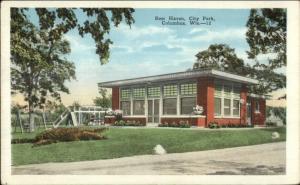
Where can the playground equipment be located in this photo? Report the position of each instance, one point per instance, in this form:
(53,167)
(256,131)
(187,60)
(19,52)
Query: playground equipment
(92,115)
(25,125)
(95,115)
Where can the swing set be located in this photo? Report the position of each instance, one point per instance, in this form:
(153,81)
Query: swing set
(84,115)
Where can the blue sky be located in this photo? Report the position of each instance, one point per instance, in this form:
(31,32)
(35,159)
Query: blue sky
(150,48)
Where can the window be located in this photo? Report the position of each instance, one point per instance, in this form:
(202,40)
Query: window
(236,92)
(227,91)
(227,106)
(138,107)
(125,107)
(217,106)
(257,107)
(236,108)
(153,92)
(170,106)
(125,94)
(218,90)
(139,93)
(170,90)
(188,89)
(187,105)
(227,99)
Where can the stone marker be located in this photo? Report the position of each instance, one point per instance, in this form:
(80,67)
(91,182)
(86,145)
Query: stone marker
(275,135)
(159,150)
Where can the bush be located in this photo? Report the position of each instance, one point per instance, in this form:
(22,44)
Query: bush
(180,124)
(68,134)
(128,123)
(23,140)
(270,124)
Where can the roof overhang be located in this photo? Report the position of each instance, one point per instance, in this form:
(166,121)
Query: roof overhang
(180,76)
(267,97)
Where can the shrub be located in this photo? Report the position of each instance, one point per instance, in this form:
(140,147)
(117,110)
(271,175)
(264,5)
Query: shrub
(180,124)
(213,125)
(270,124)
(68,134)
(128,123)
(22,140)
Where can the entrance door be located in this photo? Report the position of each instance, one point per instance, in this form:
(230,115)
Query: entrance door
(248,112)
(153,111)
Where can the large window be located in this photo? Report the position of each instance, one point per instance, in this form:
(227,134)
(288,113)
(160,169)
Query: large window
(187,104)
(170,106)
(227,100)
(187,97)
(188,89)
(170,90)
(139,93)
(125,107)
(227,107)
(236,108)
(125,94)
(125,101)
(138,107)
(153,92)
(218,106)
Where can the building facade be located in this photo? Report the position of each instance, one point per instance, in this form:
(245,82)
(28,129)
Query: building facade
(172,97)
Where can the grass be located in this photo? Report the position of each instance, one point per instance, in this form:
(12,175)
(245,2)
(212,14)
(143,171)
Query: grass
(128,142)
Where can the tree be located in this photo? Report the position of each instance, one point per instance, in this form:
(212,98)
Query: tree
(97,24)
(220,57)
(39,67)
(267,35)
(104,100)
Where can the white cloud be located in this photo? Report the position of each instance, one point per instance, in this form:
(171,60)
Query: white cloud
(78,44)
(135,32)
(228,34)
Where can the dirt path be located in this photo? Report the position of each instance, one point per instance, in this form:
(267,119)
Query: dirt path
(253,160)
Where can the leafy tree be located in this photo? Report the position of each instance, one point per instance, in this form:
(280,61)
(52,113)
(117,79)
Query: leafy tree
(277,111)
(221,57)
(104,100)
(97,24)
(39,67)
(267,35)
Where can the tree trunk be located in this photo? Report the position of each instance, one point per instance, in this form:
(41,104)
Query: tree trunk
(31,118)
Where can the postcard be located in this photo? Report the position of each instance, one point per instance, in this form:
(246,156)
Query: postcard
(109,92)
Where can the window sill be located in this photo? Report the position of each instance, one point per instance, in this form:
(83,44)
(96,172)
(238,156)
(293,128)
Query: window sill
(183,116)
(135,116)
(227,117)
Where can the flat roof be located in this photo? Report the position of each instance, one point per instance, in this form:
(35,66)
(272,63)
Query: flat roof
(180,76)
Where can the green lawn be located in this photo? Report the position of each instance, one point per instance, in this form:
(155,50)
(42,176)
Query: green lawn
(123,142)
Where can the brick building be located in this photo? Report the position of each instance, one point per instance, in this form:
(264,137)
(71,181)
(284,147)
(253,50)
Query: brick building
(172,97)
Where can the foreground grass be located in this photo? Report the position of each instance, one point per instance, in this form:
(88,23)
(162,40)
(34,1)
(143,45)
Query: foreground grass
(129,142)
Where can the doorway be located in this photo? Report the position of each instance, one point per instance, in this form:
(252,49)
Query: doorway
(153,111)
(248,112)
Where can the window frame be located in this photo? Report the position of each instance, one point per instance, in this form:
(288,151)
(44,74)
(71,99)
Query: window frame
(181,103)
(133,107)
(163,106)
(170,96)
(121,107)
(239,108)
(232,96)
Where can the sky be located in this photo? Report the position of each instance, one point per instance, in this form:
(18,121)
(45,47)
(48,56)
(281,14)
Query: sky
(150,48)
